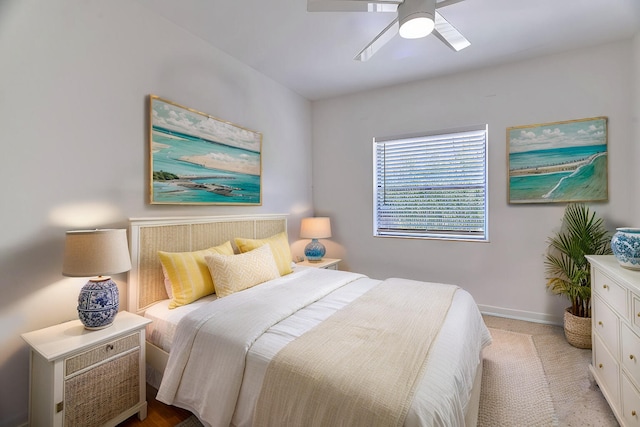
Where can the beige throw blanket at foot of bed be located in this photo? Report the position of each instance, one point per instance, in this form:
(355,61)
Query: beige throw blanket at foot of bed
(359,367)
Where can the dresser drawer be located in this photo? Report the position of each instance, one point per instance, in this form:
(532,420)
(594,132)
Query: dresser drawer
(611,292)
(606,325)
(630,403)
(635,313)
(606,369)
(630,353)
(101,353)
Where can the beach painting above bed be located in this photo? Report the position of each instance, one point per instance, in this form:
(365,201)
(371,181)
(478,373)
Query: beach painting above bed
(558,162)
(199,159)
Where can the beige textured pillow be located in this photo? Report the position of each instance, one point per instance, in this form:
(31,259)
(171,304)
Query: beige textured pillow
(233,273)
(188,275)
(279,246)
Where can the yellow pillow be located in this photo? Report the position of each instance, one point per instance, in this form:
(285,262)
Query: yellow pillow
(279,246)
(188,273)
(233,273)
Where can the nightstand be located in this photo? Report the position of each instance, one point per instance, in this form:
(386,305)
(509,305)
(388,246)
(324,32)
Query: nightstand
(327,263)
(81,377)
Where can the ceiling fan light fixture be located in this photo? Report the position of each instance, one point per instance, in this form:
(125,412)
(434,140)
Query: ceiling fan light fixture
(416,27)
(416,18)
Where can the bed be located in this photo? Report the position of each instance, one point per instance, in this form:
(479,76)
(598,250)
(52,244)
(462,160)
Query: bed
(233,378)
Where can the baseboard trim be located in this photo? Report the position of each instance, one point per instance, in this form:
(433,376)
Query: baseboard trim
(528,316)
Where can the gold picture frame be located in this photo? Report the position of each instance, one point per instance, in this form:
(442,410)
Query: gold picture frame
(558,162)
(198,159)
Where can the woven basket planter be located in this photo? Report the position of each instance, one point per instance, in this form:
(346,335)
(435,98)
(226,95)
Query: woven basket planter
(577,330)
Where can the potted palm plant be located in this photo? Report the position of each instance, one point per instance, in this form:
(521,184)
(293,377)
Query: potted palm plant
(568,272)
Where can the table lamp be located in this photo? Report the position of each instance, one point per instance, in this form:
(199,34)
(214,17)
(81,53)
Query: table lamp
(314,229)
(98,253)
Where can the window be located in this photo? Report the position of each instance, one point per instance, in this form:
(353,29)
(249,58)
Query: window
(432,186)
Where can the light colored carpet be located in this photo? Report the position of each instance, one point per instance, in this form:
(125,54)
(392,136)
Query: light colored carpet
(576,400)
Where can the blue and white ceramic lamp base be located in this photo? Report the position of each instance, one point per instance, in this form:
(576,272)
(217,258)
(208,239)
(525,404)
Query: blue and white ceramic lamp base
(314,251)
(625,245)
(98,303)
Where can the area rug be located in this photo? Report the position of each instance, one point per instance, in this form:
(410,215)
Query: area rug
(192,421)
(515,391)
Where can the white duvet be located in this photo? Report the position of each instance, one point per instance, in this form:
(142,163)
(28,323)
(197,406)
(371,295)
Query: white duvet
(221,350)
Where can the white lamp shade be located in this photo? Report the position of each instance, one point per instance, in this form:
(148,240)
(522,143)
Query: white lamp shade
(90,253)
(315,228)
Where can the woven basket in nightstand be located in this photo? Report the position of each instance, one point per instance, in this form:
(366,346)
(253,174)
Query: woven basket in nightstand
(96,392)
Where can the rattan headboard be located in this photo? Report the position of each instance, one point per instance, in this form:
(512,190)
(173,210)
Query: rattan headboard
(147,236)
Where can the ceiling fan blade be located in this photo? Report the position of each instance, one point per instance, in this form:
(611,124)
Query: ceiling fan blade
(449,34)
(445,3)
(353,5)
(380,40)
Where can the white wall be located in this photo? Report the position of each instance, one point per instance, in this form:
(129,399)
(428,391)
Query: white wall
(73,101)
(508,272)
(636,120)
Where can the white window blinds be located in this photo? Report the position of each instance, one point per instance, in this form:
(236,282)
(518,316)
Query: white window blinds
(432,186)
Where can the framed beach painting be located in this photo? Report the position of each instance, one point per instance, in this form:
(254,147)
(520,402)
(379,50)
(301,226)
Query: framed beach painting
(197,159)
(558,162)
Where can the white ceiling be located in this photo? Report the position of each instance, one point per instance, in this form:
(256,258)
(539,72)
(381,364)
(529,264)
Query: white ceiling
(312,53)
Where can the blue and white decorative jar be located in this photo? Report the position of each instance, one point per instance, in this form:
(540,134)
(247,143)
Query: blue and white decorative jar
(314,251)
(98,303)
(625,245)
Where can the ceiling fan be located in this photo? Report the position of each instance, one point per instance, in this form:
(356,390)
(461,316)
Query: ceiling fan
(415,19)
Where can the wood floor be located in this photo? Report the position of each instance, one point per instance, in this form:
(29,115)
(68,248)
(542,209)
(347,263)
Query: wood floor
(158,414)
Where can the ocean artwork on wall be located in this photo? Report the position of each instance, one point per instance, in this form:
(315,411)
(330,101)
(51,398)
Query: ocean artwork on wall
(558,162)
(199,159)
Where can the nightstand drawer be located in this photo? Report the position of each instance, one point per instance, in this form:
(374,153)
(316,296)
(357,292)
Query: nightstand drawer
(98,395)
(605,324)
(101,353)
(611,292)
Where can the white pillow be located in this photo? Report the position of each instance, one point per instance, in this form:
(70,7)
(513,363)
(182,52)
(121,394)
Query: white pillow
(233,273)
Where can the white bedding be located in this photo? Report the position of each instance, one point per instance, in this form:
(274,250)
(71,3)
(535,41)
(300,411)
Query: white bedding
(161,331)
(442,396)
(165,320)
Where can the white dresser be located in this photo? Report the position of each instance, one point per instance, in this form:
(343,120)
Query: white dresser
(615,313)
